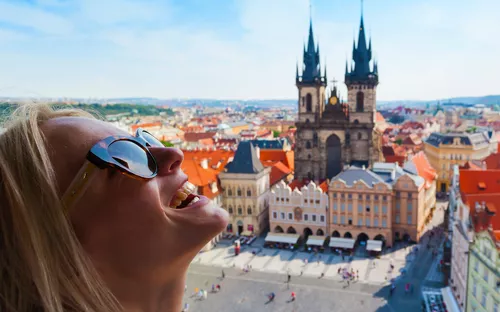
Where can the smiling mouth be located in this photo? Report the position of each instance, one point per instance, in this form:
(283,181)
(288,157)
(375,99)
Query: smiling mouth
(184,196)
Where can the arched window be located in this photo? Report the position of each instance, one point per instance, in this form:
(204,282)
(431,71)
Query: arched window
(308,144)
(315,139)
(360,136)
(307,120)
(229,192)
(239,192)
(309,156)
(249,192)
(360,102)
(240,211)
(249,210)
(308,102)
(230,209)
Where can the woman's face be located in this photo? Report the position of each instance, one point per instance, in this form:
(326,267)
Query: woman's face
(124,224)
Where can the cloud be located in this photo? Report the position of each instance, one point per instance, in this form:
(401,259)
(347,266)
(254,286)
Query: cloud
(25,15)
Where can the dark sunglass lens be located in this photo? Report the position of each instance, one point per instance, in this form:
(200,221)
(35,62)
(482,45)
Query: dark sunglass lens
(151,139)
(133,157)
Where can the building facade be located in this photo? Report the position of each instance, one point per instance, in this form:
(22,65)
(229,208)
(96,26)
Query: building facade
(331,134)
(444,150)
(385,203)
(245,182)
(483,293)
(299,208)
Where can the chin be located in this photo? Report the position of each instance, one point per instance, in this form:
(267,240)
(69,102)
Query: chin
(199,222)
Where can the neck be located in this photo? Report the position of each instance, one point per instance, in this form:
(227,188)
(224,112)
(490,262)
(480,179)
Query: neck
(147,296)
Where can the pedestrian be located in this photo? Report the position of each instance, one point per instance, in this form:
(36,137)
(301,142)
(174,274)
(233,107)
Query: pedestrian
(338,271)
(223,274)
(293,296)
(186,307)
(185,287)
(213,287)
(289,277)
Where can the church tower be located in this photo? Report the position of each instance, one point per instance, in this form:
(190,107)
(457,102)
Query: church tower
(361,81)
(310,83)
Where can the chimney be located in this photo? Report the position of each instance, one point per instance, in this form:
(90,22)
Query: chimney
(204,163)
(393,174)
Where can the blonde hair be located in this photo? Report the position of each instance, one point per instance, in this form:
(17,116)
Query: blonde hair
(42,264)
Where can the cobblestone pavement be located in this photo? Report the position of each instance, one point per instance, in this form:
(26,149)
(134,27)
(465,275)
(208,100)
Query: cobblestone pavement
(247,291)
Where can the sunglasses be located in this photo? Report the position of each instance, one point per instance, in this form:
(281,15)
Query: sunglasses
(127,154)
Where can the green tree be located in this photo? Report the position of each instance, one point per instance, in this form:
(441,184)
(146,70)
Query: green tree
(276,133)
(167,143)
(399,141)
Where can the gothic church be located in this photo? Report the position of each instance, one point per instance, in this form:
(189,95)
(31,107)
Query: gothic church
(331,133)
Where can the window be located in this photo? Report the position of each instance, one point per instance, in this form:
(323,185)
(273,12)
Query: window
(360,221)
(342,220)
(359,195)
(308,102)
(249,210)
(367,209)
(398,194)
(334,206)
(349,196)
(495,307)
(249,192)
(398,205)
(476,266)
(317,201)
(305,201)
(360,136)
(229,192)
(334,195)
(322,218)
(239,192)
(360,208)
(275,215)
(410,196)
(410,207)
(350,221)
(240,211)
(367,196)
(290,216)
(375,208)
(375,222)
(349,207)
(397,219)
(384,198)
(282,215)
(313,218)
(367,221)
(308,145)
(474,289)
(384,223)
(360,99)
(408,219)
(384,209)
(342,195)
(306,217)
(484,297)
(230,210)
(485,274)
(342,207)
(335,219)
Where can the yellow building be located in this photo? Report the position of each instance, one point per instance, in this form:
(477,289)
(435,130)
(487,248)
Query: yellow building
(444,150)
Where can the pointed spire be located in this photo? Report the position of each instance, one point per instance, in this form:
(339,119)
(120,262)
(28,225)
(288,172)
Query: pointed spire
(326,79)
(346,67)
(297,72)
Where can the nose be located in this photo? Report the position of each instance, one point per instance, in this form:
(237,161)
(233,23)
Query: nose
(169,159)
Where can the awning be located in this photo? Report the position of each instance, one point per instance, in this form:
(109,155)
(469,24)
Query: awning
(315,240)
(338,242)
(449,300)
(282,238)
(374,245)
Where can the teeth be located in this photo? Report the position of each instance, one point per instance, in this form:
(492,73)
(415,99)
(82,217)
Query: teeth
(194,201)
(182,193)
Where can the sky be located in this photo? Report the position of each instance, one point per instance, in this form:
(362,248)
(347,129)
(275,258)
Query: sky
(242,49)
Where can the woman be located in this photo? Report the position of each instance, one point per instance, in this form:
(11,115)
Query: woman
(94,219)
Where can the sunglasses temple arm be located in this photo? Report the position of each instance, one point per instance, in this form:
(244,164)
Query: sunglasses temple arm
(79,185)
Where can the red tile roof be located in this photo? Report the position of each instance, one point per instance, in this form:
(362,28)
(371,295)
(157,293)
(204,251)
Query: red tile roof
(279,171)
(424,168)
(379,117)
(286,158)
(493,161)
(299,183)
(472,180)
(146,125)
(196,136)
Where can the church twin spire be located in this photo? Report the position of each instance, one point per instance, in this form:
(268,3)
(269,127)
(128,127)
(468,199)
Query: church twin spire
(310,72)
(360,71)
(361,56)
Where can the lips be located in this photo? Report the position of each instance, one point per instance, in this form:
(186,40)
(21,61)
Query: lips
(184,196)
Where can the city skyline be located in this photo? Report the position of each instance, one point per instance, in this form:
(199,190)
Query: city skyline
(240,49)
